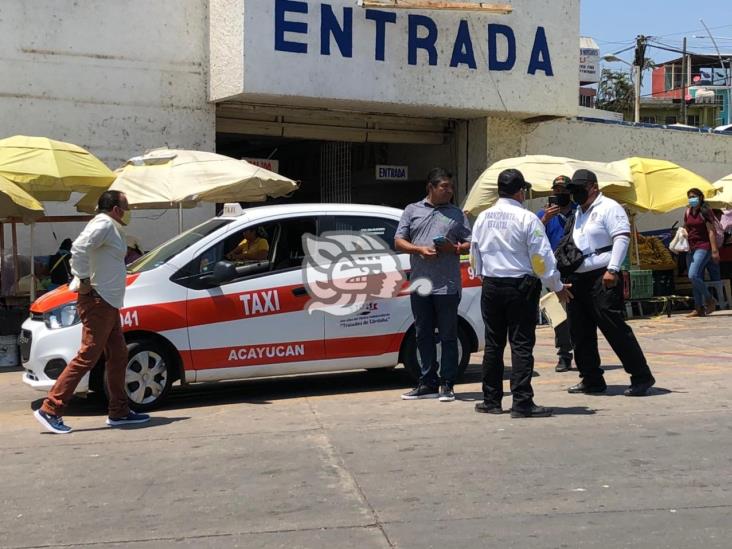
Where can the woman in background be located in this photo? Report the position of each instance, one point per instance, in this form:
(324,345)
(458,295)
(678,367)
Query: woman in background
(699,223)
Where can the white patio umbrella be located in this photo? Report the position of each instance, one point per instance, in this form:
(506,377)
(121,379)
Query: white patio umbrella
(165,178)
(723,198)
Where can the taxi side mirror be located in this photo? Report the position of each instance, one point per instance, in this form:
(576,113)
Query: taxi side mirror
(224,271)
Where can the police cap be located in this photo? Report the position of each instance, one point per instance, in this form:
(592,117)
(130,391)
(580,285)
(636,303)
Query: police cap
(511,181)
(582,178)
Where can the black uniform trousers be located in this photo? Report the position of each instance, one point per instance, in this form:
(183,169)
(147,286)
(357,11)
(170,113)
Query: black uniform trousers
(593,307)
(509,311)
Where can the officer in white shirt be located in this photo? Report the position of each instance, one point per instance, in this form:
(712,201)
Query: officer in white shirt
(512,254)
(602,233)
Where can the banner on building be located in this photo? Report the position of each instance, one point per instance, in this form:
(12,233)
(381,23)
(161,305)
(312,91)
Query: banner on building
(589,65)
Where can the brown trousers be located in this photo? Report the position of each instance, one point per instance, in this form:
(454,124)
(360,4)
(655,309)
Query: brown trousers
(101,333)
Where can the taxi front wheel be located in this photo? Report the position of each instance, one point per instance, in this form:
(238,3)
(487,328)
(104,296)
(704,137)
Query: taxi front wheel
(411,356)
(149,377)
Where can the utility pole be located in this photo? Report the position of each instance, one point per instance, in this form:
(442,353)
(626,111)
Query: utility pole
(727,79)
(638,63)
(684,69)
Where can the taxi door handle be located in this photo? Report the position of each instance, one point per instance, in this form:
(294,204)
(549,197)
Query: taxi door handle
(299,291)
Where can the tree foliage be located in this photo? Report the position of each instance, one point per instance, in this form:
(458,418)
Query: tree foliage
(615,92)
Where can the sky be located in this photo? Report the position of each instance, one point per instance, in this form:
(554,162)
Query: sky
(614,24)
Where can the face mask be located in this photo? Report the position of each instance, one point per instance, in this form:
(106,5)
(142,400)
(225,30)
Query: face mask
(562,200)
(694,201)
(580,195)
(126,216)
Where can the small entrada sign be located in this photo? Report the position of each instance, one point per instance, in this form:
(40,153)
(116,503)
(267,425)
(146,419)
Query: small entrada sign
(392,173)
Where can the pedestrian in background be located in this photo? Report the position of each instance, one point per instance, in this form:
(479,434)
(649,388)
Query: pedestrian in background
(98,266)
(435,233)
(699,222)
(555,217)
(60,265)
(513,256)
(601,231)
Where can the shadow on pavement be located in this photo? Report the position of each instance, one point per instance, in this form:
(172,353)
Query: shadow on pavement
(155,421)
(572,411)
(618,390)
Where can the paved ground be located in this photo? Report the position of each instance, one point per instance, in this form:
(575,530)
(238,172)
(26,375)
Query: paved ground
(339,461)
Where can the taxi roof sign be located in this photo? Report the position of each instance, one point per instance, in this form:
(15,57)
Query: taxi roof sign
(232,209)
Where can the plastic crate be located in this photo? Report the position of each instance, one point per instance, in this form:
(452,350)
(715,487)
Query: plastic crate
(663,283)
(641,284)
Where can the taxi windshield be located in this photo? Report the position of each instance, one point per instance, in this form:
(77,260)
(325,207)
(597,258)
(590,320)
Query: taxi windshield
(168,250)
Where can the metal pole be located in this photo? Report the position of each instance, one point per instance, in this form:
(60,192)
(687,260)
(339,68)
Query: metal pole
(637,86)
(727,79)
(2,252)
(16,265)
(684,67)
(32,267)
(180,218)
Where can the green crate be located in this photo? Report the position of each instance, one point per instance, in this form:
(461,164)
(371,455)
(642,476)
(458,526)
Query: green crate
(641,284)
(625,265)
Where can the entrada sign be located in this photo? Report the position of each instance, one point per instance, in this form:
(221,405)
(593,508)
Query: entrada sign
(334,36)
(392,173)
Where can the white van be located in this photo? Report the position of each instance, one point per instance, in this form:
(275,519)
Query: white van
(191,316)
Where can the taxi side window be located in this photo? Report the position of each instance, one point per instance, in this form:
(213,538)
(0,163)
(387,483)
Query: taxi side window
(234,248)
(288,251)
(284,251)
(383,228)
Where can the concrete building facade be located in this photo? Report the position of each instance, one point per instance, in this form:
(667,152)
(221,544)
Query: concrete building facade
(358,104)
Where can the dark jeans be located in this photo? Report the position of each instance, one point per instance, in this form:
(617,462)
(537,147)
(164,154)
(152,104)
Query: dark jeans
(509,312)
(593,307)
(436,312)
(563,342)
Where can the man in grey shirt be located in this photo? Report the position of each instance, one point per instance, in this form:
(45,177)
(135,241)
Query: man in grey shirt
(435,232)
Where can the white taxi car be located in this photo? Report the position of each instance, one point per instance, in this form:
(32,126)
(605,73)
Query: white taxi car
(191,316)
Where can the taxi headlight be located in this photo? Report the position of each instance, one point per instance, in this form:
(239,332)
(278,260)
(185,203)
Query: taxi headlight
(63,317)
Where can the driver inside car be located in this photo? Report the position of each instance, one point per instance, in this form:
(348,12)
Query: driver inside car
(253,247)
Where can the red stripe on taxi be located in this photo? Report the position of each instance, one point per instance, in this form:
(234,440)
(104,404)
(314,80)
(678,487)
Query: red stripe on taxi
(293,351)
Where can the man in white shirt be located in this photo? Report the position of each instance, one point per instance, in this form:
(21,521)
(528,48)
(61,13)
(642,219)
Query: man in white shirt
(602,233)
(512,254)
(98,266)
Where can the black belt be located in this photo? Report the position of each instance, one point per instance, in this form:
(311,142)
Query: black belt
(504,281)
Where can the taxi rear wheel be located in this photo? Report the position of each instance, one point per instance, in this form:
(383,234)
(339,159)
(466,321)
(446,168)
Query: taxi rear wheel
(148,376)
(411,356)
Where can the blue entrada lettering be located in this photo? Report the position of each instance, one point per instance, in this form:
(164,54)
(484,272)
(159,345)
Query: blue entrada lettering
(292,31)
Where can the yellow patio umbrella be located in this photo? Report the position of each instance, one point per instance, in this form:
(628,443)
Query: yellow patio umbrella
(540,171)
(723,198)
(15,203)
(659,186)
(49,169)
(165,178)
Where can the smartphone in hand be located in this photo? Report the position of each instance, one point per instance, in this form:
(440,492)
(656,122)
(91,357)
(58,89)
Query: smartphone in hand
(553,200)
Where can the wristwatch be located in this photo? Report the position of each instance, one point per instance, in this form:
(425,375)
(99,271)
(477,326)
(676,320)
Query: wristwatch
(613,271)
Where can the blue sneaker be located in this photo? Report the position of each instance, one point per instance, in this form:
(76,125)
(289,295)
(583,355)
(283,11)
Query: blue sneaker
(52,423)
(130,419)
